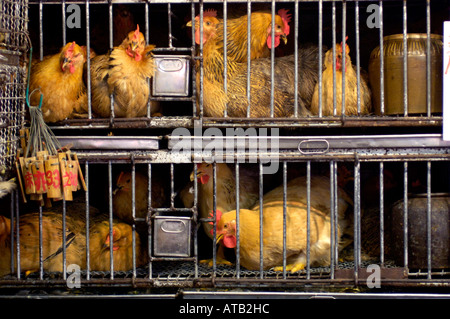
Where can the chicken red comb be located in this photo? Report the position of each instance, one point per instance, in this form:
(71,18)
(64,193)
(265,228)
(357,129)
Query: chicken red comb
(210,13)
(286,17)
(136,33)
(70,49)
(347,49)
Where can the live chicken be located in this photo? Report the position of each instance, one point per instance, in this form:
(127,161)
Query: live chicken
(59,78)
(122,195)
(320,239)
(122,246)
(52,243)
(124,73)
(351,87)
(225,191)
(233,101)
(260,30)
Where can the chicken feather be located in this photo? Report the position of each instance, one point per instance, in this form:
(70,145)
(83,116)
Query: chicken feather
(59,78)
(351,87)
(124,73)
(296,227)
(234,100)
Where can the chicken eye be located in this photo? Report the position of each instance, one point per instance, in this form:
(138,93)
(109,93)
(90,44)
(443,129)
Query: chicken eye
(129,180)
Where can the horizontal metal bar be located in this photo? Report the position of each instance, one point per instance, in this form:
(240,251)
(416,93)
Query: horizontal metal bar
(311,143)
(110,142)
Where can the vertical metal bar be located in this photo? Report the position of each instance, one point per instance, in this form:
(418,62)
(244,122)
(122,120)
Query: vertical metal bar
(358,58)
(64,253)
(169,23)
(238,224)
(193,56)
(272,62)
(333,24)
(261,220)
(405,214)
(150,220)
(64,37)
(429,220)
(111,45)
(133,212)
(41,247)
(147,37)
(308,220)
(380,5)
(405,60)
(428,60)
(225,54)
(172,187)
(195,217)
(320,55)
(344,31)
(41,31)
(201,58)
(111,241)
(284,217)
(215,218)
(88,61)
(382,213)
(17,236)
(11,234)
(296,32)
(249,58)
(88,255)
(356,220)
(333,242)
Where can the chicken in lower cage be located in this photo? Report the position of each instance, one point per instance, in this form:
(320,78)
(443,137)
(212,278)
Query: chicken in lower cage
(122,195)
(122,243)
(234,100)
(124,73)
(351,87)
(296,227)
(75,243)
(225,193)
(59,78)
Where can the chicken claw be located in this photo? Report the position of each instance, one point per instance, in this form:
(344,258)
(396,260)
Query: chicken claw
(291,267)
(219,261)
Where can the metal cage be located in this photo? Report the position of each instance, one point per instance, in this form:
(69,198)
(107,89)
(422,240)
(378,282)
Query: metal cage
(392,162)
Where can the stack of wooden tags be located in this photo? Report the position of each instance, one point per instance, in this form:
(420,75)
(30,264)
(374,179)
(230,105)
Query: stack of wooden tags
(45,177)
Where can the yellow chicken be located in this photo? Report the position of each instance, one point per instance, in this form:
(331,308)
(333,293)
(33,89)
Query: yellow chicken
(296,227)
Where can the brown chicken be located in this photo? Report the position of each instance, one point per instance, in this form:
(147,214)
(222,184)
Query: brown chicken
(122,241)
(233,101)
(52,243)
(351,87)
(261,34)
(59,78)
(122,196)
(296,227)
(226,191)
(124,73)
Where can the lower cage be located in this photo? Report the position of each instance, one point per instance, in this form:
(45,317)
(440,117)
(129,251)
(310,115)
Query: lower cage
(397,235)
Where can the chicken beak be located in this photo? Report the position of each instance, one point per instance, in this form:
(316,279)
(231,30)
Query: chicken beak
(118,188)
(284,38)
(189,24)
(219,238)
(66,61)
(134,45)
(192,177)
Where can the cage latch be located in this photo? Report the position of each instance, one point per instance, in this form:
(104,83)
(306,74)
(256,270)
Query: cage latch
(314,146)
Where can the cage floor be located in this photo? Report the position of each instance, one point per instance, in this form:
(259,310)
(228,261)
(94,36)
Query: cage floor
(169,270)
